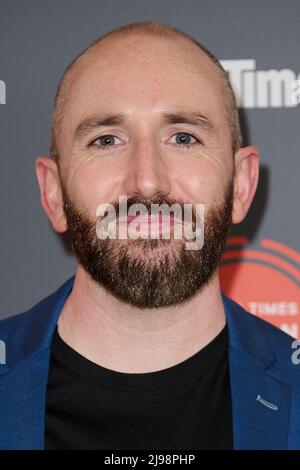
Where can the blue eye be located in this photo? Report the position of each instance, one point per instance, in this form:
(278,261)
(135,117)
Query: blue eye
(185,139)
(105,141)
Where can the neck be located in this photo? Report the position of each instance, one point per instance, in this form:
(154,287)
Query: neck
(128,339)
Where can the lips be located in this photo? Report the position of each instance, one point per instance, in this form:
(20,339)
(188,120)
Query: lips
(152,219)
(147,222)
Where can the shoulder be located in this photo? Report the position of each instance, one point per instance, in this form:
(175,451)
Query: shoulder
(262,338)
(254,323)
(32,328)
(10,325)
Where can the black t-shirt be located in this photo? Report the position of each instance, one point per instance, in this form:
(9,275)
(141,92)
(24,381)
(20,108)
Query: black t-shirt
(183,407)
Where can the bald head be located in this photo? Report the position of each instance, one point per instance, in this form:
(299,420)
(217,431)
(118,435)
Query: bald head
(142,30)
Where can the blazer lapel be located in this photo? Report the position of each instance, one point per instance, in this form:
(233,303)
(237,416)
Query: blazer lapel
(260,402)
(23,410)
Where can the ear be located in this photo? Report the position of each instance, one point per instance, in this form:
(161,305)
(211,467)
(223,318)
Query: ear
(50,190)
(245,181)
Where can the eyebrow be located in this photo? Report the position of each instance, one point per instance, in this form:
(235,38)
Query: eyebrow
(190,117)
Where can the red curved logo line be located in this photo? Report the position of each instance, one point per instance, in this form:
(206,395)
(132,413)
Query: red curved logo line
(255,254)
(282,249)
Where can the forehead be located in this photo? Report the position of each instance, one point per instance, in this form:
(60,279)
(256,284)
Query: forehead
(143,75)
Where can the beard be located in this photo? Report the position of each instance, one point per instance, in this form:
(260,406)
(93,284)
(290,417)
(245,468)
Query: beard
(149,273)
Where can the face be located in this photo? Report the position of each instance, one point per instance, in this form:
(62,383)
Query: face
(146,119)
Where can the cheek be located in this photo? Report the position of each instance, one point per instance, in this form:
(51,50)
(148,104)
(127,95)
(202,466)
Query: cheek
(91,185)
(202,182)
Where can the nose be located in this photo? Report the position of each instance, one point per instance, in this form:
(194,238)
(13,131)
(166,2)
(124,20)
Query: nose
(147,172)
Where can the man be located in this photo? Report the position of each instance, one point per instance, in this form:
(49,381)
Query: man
(141,349)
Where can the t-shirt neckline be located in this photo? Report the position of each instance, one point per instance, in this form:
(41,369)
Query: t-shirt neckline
(85,370)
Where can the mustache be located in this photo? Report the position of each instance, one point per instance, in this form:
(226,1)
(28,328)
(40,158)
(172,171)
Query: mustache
(158,199)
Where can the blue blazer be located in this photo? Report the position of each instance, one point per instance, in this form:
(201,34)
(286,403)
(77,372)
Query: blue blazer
(265,383)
